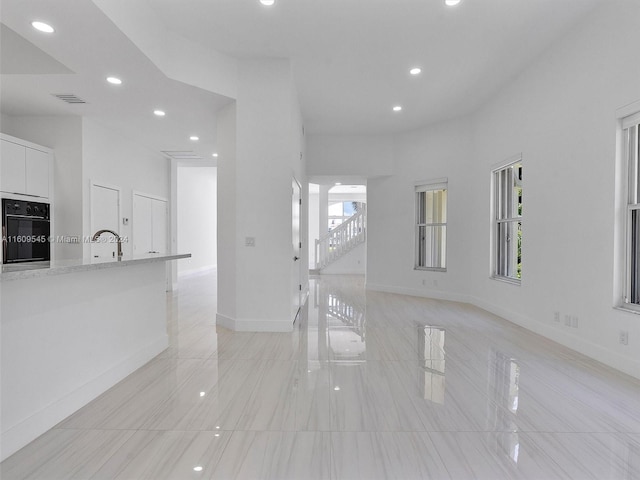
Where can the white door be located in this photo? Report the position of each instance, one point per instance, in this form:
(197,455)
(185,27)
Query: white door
(159,226)
(296,200)
(141,228)
(105,214)
(149,225)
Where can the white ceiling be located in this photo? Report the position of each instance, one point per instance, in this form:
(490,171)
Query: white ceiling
(350,57)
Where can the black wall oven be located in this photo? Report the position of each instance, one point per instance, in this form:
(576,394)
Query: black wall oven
(25,231)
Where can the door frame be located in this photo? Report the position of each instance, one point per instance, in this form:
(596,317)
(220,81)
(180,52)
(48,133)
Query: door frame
(295,185)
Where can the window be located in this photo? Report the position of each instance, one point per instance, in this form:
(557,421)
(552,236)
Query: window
(431,226)
(339,212)
(507,223)
(631,152)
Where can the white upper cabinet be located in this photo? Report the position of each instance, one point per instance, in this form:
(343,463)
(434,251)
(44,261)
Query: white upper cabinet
(24,170)
(37,168)
(12,168)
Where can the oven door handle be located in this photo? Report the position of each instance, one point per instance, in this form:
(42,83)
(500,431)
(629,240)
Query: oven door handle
(34,217)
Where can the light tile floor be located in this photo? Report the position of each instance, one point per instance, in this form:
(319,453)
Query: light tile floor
(368,386)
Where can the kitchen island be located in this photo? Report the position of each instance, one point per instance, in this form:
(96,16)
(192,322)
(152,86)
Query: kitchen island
(70,330)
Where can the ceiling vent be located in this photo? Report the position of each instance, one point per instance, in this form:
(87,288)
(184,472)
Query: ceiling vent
(182,155)
(68,97)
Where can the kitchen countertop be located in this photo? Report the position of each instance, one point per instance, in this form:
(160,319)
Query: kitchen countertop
(21,271)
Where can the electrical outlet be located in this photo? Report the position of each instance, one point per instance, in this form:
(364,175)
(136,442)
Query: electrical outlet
(556,316)
(567,320)
(574,322)
(624,337)
(424,282)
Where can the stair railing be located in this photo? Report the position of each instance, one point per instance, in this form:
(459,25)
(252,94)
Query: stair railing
(342,239)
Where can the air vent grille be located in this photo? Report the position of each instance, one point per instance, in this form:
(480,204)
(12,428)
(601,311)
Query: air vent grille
(182,155)
(68,98)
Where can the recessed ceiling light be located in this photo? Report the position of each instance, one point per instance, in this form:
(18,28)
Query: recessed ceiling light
(197,469)
(43,27)
(159,113)
(194,138)
(415,71)
(267,3)
(397,108)
(337,389)
(451,3)
(338,184)
(114,80)
(214,155)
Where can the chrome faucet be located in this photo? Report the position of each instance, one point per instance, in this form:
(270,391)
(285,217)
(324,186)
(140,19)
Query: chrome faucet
(100,232)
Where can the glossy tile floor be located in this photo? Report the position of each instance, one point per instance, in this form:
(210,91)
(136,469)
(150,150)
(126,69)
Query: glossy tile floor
(374,386)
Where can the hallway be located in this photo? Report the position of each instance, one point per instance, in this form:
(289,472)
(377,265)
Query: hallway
(368,385)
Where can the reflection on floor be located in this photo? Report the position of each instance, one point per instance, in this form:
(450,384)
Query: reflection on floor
(359,390)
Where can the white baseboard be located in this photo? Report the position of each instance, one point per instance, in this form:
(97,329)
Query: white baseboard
(248,325)
(32,427)
(580,345)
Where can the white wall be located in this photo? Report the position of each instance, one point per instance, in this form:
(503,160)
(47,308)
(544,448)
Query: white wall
(255,200)
(347,197)
(110,158)
(421,155)
(5,120)
(64,135)
(197,218)
(227,241)
(350,155)
(561,115)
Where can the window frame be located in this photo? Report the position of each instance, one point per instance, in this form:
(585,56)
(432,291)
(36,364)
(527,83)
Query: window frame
(496,196)
(422,187)
(631,173)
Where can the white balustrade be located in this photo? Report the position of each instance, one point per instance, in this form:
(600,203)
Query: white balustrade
(342,239)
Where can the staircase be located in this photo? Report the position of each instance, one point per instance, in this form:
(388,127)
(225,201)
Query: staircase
(342,239)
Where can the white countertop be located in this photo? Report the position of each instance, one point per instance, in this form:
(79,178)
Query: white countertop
(20,271)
